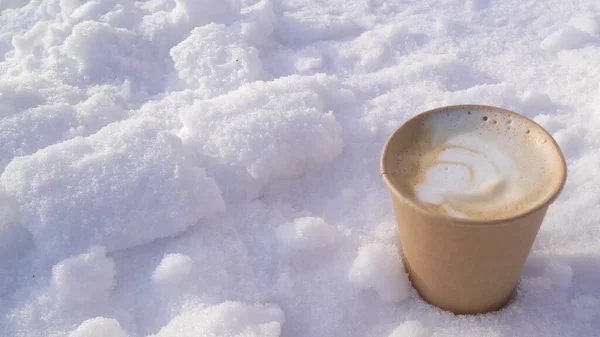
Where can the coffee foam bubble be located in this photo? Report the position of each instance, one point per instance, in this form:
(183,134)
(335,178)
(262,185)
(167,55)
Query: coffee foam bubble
(479,163)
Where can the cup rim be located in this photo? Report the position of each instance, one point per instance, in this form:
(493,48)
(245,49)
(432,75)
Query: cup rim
(466,221)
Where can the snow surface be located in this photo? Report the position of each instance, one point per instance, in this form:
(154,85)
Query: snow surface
(98,327)
(200,167)
(378,267)
(173,269)
(226,319)
(84,280)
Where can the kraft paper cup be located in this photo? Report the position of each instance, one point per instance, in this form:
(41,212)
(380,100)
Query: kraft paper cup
(465,266)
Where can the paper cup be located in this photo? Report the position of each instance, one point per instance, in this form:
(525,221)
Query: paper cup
(464,265)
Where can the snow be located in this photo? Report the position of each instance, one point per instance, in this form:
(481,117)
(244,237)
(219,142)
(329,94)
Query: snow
(307,234)
(98,327)
(128,184)
(586,22)
(173,269)
(587,307)
(281,128)
(567,38)
(226,319)
(84,280)
(185,167)
(216,59)
(411,328)
(556,275)
(378,267)
(14,239)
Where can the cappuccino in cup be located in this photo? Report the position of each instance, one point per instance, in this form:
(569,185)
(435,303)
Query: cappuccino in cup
(470,186)
(478,164)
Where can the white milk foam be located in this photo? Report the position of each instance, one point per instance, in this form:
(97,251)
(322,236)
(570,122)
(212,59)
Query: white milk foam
(481,164)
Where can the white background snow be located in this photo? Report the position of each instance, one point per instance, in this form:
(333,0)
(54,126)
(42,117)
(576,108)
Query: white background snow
(211,168)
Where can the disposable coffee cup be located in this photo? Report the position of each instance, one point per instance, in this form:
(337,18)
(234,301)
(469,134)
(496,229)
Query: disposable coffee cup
(470,186)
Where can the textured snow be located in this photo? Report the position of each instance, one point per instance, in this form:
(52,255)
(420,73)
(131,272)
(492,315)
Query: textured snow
(173,269)
(201,167)
(587,22)
(216,59)
(275,130)
(128,184)
(307,234)
(226,319)
(411,328)
(568,38)
(85,279)
(378,267)
(98,327)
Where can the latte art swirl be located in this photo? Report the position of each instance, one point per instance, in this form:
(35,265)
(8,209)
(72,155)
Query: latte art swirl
(465,173)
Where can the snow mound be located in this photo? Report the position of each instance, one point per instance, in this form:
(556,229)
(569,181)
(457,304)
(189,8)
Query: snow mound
(126,185)
(258,23)
(97,111)
(307,234)
(467,332)
(26,42)
(104,54)
(552,125)
(275,130)
(11,4)
(216,60)
(301,24)
(309,63)
(173,269)
(557,275)
(412,329)
(24,133)
(378,48)
(378,267)
(118,15)
(33,116)
(567,38)
(587,22)
(84,280)
(67,7)
(169,23)
(226,319)
(571,140)
(16,96)
(454,74)
(200,12)
(99,327)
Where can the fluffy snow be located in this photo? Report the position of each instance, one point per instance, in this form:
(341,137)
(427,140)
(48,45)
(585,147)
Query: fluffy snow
(587,22)
(85,279)
(226,319)
(568,38)
(411,328)
(173,269)
(275,130)
(128,184)
(216,59)
(200,167)
(99,327)
(556,274)
(307,234)
(378,267)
